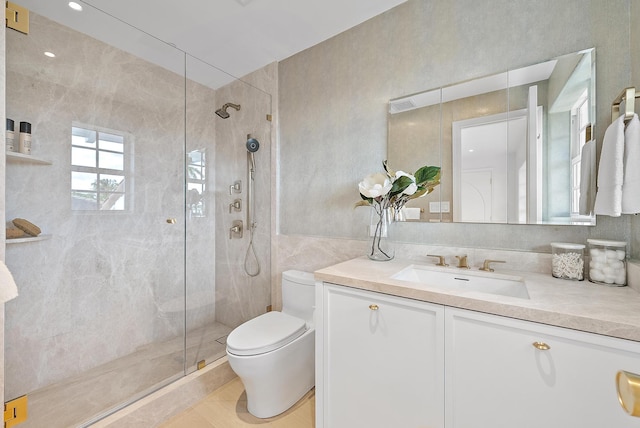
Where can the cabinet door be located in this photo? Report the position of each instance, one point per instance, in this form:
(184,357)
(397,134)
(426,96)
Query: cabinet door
(383,360)
(496,377)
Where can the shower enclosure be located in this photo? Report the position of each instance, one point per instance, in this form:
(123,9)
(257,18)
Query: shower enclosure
(136,279)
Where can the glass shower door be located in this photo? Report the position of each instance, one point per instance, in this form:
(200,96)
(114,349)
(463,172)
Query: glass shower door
(99,320)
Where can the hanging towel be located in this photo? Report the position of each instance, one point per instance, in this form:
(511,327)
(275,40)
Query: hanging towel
(587,177)
(631,183)
(8,288)
(610,171)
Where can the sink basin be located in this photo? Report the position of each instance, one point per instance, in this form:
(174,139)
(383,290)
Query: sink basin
(465,280)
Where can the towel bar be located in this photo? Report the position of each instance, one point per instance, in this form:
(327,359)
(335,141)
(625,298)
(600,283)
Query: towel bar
(629,107)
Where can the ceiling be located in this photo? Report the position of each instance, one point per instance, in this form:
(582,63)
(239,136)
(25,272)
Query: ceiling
(229,38)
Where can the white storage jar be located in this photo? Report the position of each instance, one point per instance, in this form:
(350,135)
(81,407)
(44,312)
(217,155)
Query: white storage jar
(607,263)
(567,261)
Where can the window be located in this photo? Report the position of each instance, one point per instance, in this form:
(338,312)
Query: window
(98,170)
(579,123)
(196,179)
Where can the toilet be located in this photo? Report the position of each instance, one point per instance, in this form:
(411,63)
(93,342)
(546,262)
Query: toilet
(274,353)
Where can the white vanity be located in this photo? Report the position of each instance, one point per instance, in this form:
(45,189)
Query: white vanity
(396,353)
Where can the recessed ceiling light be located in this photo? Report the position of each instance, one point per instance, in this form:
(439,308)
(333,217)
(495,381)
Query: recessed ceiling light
(75,6)
(50,54)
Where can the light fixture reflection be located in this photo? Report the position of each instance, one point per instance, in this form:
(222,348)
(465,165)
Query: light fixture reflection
(50,54)
(75,6)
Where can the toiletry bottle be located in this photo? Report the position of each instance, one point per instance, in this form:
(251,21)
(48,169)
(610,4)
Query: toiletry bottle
(10,136)
(25,138)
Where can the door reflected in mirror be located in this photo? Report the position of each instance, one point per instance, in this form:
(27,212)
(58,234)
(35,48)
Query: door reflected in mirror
(514,147)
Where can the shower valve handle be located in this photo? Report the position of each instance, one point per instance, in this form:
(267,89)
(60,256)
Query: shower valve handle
(236,228)
(236,205)
(235,187)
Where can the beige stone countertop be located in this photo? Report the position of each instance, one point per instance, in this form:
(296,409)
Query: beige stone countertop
(579,305)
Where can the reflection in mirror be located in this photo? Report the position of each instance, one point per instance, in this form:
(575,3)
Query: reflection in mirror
(514,146)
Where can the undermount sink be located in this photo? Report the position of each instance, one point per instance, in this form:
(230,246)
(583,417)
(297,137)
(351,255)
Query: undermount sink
(465,280)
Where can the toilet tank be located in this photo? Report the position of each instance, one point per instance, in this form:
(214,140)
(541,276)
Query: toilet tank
(298,294)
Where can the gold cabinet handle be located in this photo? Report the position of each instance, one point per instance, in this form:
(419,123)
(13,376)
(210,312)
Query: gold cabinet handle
(373,307)
(541,346)
(172,221)
(628,385)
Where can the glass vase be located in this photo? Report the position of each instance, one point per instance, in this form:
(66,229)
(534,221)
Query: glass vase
(382,248)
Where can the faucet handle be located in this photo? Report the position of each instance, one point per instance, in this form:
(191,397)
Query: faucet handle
(485,266)
(441,261)
(462,262)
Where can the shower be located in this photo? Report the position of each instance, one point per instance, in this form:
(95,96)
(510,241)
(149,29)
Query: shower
(252,147)
(222,112)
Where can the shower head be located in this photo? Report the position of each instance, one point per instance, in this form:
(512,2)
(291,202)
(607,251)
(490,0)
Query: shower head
(223,111)
(252,144)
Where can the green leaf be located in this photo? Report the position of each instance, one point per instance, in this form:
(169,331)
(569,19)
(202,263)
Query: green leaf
(426,174)
(400,185)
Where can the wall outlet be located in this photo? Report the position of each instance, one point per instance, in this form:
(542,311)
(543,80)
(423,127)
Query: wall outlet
(439,207)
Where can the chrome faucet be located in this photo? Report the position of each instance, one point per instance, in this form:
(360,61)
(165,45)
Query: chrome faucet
(462,262)
(485,266)
(441,261)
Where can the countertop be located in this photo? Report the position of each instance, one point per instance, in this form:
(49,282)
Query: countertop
(579,305)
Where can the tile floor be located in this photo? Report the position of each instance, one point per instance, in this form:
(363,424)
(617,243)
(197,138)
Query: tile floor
(226,407)
(75,401)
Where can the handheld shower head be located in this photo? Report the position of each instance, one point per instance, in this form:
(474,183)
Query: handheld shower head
(222,112)
(252,144)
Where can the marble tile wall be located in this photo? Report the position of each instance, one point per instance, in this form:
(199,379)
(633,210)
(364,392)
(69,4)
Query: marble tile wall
(333,110)
(104,284)
(240,296)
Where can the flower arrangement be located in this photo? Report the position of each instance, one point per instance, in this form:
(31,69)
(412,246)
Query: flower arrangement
(388,193)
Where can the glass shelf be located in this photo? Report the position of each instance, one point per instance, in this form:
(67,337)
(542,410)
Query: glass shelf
(19,157)
(27,239)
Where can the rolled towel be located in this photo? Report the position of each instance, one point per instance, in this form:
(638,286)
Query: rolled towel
(13,233)
(27,226)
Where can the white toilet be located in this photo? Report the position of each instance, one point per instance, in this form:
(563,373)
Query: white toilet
(274,354)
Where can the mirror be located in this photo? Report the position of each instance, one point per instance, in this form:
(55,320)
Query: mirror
(514,147)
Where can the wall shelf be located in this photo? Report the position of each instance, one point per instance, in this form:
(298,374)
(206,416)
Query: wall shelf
(27,239)
(22,158)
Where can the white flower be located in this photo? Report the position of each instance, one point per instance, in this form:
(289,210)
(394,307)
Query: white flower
(412,188)
(375,185)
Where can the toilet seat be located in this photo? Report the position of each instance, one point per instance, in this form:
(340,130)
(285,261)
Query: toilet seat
(265,333)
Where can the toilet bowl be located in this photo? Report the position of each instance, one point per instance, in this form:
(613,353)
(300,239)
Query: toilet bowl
(274,354)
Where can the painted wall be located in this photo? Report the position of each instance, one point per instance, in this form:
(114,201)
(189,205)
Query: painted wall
(333,96)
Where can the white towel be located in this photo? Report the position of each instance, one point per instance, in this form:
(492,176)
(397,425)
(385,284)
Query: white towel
(631,184)
(587,177)
(610,171)
(8,288)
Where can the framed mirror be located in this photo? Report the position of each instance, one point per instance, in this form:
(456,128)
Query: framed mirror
(514,147)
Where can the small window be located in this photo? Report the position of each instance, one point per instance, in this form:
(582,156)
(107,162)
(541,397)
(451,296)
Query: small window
(98,170)
(196,182)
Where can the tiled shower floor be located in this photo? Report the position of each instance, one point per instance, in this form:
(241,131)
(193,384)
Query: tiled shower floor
(79,399)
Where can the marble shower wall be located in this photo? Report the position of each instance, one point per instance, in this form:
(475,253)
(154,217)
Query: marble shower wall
(106,282)
(333,103)
(240,297)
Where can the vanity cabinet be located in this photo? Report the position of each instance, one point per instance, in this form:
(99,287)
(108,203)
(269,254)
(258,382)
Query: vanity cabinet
(503,373)
(380,360)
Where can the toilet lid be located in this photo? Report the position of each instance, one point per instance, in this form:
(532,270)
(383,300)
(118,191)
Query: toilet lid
(265,333)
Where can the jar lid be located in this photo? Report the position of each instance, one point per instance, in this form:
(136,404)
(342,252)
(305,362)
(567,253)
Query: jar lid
(567,246)
(606,243)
